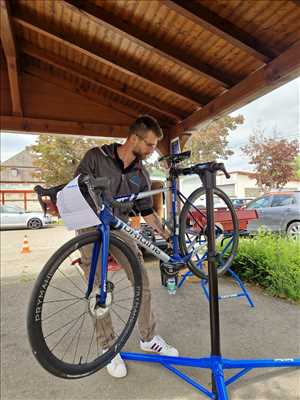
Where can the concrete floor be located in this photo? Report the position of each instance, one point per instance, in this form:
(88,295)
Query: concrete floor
(270,330)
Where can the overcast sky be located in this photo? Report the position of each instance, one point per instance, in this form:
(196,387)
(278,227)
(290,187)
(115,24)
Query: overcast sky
(278,110)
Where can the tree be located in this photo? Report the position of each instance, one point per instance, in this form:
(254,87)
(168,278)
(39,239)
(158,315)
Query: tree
(297,167)
(211,143)
(273,159)
(57,156)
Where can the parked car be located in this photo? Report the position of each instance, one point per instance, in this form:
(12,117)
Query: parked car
(241,202)
(277,212)
(14,216)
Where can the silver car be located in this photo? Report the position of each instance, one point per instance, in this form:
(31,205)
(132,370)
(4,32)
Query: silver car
(277,212)
(13,217)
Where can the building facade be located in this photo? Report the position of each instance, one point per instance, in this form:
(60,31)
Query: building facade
(241,184)
(17,180)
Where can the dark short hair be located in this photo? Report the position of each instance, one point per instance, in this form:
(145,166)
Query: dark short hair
(143,124)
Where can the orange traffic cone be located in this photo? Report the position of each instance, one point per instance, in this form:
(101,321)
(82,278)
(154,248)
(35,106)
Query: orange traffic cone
(25,247)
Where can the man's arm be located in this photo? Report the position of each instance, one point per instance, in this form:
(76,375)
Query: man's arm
(154,221)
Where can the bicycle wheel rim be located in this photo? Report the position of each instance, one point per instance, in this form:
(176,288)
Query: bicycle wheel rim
(42,348)
(232,244)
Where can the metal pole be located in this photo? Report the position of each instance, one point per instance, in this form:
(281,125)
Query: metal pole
(212,269)
(209,182)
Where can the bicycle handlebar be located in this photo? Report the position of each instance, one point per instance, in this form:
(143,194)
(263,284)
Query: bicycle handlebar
(202,167)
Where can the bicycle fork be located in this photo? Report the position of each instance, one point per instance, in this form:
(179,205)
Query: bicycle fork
(101,245)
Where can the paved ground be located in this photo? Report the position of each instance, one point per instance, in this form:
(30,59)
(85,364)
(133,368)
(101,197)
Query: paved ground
(272,329)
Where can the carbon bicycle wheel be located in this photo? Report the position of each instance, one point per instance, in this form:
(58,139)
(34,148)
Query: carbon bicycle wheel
(67,336)
(193,235)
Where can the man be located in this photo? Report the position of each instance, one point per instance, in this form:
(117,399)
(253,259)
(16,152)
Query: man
(123,163)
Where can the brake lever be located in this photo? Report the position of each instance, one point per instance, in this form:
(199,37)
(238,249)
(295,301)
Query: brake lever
(223,169)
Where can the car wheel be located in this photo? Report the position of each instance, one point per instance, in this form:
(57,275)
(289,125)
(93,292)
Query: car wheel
(34,223)
(293,230)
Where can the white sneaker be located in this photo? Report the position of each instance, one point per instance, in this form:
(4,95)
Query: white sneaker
(117,367)
(158,345)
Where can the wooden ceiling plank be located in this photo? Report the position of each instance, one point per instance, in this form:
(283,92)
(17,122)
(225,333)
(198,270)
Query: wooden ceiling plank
(9,46)
(278,72)
(80,90)
(134,34)
(75,43)
(222,28)
(109,84)
(12,123)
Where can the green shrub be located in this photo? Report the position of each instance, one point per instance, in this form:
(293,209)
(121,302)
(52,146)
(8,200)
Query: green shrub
(271,261)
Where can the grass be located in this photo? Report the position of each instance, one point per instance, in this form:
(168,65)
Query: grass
(273,262)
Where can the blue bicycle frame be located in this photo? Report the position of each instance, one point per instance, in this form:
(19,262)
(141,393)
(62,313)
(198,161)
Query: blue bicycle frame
(107,220)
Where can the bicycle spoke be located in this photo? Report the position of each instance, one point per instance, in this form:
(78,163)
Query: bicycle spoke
(127,287)
(74,284)
(60,340)
(76,267)
(120,280)
(125,299)
(118,316)
(68,323)
(64,291)
(90,345)
(61,309)
(80,328)
(60,300)
(124,308)
(70,344)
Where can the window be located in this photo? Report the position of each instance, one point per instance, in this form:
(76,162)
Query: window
(282,200)
(262,202)
(14,172)
(11,209)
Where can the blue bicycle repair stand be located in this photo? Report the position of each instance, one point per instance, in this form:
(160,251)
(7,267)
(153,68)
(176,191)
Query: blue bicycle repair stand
(215,362)
(203,283)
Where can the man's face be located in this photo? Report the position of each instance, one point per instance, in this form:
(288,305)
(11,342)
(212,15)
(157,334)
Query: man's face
(145,145)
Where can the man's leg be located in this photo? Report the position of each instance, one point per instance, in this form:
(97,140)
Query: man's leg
(146,320)
(146,323)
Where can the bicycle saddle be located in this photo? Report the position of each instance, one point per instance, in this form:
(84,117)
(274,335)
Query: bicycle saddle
(176,158)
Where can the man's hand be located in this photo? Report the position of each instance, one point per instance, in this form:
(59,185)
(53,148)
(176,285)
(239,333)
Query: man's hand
(154,221)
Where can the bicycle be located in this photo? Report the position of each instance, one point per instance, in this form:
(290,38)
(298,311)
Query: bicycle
(51,321)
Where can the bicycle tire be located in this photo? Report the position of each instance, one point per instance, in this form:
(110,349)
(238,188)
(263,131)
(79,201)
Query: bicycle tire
(38,308)
(223,265)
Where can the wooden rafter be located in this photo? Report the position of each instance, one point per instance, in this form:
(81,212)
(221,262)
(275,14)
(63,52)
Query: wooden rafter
(99,54)
(9,46)
(98,81)
(221,27)
(137,36)
(279,71)
(51,126)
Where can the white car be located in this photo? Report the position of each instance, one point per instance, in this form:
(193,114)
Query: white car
(14,216)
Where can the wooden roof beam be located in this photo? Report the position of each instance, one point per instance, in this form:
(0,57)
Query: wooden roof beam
(106,83)
(9,46)
(98,54)
(50,126)
(143,39)
(76,128)
(221,27)
(278,72)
